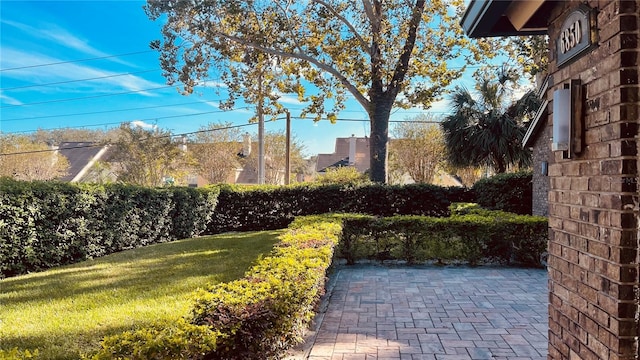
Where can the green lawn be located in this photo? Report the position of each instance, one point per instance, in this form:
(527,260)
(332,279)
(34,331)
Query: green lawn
(66,311)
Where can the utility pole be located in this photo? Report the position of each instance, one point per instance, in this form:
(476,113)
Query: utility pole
(287,166)
(260,129)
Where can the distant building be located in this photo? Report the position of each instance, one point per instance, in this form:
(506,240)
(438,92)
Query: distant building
(351,151)
(354,151)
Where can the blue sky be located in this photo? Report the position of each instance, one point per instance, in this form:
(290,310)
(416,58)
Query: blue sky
(88,64)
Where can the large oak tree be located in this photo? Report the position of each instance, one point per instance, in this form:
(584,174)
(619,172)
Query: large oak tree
(385,54)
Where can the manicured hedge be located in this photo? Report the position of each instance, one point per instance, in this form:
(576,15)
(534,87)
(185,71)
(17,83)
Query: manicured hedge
(512,192)
(46,224)
(257,317)
(249,208)
(484,236)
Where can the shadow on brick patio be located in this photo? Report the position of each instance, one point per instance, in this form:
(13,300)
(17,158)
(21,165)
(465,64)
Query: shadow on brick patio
(429,312)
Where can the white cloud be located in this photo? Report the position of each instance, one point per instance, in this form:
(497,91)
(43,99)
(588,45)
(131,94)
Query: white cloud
(14,58)
(290,99)
(212,84)
(518,93)
(142,124)
(241,110)
(440,106)
(62,37)
(214,104)
(9,100)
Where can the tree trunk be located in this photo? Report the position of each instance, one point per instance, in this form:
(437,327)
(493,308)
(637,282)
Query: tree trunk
(501,166)
(378,143)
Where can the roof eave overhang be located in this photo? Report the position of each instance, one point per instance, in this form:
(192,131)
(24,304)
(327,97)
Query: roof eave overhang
(538,120)
(530,135)
(491,18)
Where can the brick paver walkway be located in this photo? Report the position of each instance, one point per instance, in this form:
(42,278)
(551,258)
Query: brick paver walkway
(438,313)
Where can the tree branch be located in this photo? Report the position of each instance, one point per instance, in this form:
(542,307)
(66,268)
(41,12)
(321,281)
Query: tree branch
(289,28)
(373,13)
(368,9)
(403,62)
(301,56)
(363,43)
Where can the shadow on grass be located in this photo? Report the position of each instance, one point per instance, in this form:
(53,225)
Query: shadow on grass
(57,347)
(75,300)
(143,269)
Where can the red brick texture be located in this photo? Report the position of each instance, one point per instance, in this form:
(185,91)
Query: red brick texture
(593,244)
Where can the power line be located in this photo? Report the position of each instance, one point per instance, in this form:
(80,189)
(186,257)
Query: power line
(51,150)
(183,115)
(86,97)
(147,51)
(93,96)
(213,112)
(78,80)
(197,132)
(170,105)
(144,139)
(120,122)
(106,111)
(75,61)
(62,128)
(367,120)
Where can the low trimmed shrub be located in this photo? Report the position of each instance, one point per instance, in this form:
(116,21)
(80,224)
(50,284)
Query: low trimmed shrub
(257,317)
(179,340)
(486,236)
(15,354)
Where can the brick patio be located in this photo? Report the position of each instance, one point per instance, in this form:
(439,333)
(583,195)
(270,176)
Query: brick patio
(438,313)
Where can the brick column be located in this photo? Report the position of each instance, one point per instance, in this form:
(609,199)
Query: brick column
(593,243)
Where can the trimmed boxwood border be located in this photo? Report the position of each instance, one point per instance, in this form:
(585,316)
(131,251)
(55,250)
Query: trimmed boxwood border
(256,317)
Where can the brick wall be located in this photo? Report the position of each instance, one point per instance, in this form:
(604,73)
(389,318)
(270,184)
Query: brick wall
(593,245)
(541,149)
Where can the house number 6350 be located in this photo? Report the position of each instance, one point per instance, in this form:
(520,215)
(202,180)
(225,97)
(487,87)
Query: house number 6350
(570,37)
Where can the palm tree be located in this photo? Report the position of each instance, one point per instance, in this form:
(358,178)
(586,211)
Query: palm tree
(488,130)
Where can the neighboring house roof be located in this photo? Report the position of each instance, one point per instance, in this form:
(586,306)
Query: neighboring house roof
(340,156)
(486,18)
(443,178)
(81,156)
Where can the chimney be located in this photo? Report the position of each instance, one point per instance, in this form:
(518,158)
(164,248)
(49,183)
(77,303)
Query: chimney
(246,144)
(352,150)
(183,145)
(55,148)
